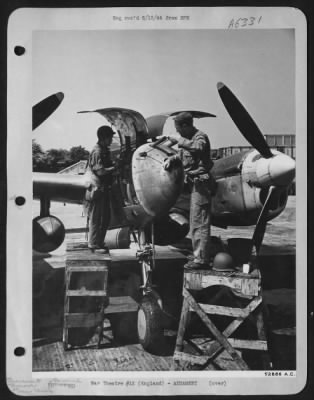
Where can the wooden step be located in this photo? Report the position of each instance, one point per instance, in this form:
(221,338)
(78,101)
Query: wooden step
(86,293)
(82,320)
(87,255)
(83,268)
(121,304)
(76,245)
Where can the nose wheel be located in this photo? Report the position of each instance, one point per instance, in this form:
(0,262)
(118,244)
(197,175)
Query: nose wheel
(149,324)
(150,315)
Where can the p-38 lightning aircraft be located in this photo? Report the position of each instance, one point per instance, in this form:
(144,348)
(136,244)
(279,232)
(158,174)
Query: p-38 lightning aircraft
(252,188)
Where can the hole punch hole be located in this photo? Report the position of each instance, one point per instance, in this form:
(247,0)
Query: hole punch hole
(20,201)
(19,351)
(19,50)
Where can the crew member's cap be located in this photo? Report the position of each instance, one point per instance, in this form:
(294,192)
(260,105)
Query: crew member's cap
(223,262)
(183,117)
(105,130)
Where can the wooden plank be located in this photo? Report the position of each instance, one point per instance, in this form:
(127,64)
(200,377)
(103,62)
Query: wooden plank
(87,255)
(109,358)
(224,362)
(78,244)
(216,347)
(261,334)
(192,281)
(230,274)
(182,324)
(248,344)
(99,268)
(251,287)
(181,356)
(237,322)
(205,344)
(121,304)
(120,258)
(221,310)
(82,262)
(239,362)
(84,292)
(244,284)
(73,250)
(162,253)
(82,320)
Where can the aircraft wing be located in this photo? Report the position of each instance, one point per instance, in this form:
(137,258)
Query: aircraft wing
(156,123)
(60,187)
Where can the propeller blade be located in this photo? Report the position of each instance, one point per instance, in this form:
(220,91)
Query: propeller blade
(43,109)
(243,120)
(260,227)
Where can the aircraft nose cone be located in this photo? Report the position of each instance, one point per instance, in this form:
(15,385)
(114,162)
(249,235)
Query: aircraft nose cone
(282,170)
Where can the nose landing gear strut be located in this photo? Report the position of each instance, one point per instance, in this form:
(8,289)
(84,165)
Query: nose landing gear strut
(150,316)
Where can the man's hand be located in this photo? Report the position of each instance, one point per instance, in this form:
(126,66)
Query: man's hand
(169,162)
(172,140)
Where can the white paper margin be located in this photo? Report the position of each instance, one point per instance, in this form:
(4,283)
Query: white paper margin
(20,378)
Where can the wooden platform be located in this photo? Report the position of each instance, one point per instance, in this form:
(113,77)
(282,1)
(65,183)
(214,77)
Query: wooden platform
(87,281)
(48,279)
(234,284)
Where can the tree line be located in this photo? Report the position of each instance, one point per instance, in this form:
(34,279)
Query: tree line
(54,160)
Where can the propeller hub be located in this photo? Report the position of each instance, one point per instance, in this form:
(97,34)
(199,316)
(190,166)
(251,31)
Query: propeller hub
(279,170)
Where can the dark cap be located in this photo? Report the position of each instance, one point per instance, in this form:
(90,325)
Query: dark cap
(184,117)
(104,130)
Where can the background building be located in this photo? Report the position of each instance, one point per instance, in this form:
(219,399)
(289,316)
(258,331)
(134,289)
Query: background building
(283,143)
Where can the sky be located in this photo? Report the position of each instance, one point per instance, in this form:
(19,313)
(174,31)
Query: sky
(154,71)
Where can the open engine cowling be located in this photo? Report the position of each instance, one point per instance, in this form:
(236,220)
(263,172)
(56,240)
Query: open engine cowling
(48,233)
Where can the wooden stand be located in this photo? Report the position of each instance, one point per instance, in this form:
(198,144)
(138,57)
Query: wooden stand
(242,285)
(91,268)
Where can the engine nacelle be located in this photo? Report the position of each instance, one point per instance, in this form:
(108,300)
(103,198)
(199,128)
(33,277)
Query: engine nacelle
(48,233)
(156,189)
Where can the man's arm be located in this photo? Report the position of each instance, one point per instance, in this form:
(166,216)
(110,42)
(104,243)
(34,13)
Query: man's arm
(197,145)
(171,161)
(98,167)
(104,171)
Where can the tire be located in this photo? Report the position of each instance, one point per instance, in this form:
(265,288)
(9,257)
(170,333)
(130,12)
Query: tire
(150,325)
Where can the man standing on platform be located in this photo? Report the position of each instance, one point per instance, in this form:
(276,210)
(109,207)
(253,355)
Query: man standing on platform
(195,154)
(98,197)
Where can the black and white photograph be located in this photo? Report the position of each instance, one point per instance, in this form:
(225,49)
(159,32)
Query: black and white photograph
(164,253)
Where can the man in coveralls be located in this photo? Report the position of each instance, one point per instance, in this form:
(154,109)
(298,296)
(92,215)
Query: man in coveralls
(100,168)
(195,155)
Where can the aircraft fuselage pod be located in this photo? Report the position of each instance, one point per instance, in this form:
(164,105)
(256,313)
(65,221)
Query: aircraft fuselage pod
(156,189)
